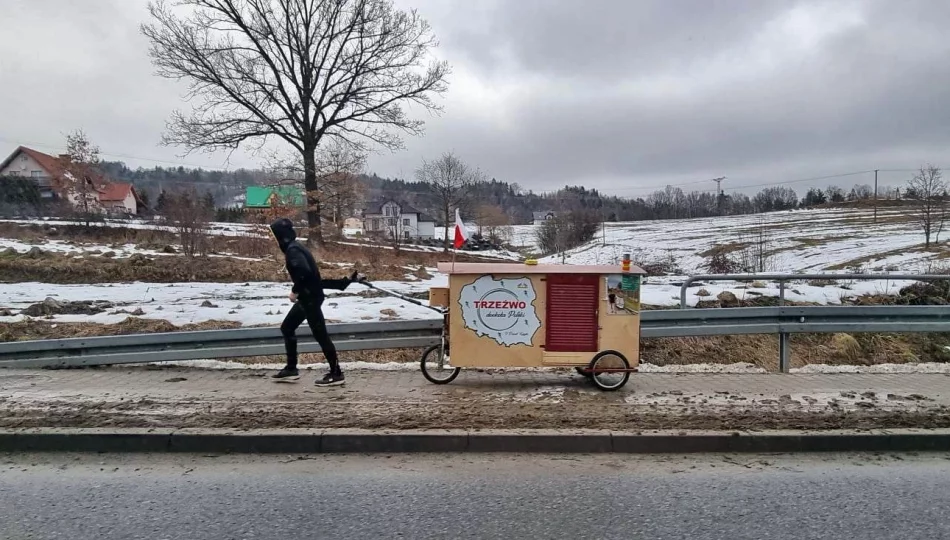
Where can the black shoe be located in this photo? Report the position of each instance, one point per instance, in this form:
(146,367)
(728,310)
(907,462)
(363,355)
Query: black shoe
(287,374)
(330,380)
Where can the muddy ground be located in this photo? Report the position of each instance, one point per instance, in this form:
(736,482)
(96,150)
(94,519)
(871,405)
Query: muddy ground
(228,266)
(472,414)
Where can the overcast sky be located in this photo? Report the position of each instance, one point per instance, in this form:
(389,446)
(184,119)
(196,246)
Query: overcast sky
(622,95)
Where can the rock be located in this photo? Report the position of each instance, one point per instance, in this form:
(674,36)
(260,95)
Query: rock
(727,299)
(137,259)
(703,292)
(9,252)
(51,306)
(758,285)
(207,303)
(6,312)
(169,249)
(35,253)
(109,254)
(137,312)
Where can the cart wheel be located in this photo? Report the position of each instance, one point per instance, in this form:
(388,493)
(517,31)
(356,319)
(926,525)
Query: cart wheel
(602,374)
(432,371)
(584,371)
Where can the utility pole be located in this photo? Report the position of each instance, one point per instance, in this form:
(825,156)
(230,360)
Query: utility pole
(718,182)
(875,195)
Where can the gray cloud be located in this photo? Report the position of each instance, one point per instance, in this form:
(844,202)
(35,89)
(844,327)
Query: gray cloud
(624,96)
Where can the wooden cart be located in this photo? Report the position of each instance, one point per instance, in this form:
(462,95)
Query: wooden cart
(529,315)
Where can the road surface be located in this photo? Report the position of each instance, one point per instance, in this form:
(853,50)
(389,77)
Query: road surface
(102,497)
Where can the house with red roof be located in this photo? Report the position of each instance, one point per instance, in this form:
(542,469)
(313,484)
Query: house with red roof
(49,172)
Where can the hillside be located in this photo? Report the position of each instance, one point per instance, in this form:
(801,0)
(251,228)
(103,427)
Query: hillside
(792,241)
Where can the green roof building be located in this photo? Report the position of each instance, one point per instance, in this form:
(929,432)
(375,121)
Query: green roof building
(265,196)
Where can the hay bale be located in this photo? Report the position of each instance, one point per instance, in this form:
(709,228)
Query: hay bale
(727,299)
(846,348)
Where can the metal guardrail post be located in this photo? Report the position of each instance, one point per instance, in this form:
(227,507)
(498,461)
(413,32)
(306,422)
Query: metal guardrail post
(784,353)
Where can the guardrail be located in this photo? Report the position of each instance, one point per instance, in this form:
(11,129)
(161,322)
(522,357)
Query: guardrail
(782,279)
(207,344)
(213,344)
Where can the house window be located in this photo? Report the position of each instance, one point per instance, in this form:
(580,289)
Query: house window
(407,234)
(392,222)
(14,173)
(405,222)
(388,210)
(34,174)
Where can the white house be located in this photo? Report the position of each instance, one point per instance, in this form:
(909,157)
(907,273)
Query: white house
(45,170)
(42,168)
(390,218)
(541,217)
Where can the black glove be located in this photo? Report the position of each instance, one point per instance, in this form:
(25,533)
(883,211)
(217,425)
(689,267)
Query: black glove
(357,277)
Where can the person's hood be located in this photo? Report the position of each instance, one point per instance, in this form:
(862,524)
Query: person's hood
(283,230)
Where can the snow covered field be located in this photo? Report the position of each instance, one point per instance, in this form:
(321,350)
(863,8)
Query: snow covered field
(254,303)
(800,241)
(796,241)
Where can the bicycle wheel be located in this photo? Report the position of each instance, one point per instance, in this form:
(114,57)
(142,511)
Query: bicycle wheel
(435,365)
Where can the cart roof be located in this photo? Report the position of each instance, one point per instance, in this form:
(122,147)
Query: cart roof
(511,268)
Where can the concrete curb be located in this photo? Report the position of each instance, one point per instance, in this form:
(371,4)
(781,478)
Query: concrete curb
(302,441)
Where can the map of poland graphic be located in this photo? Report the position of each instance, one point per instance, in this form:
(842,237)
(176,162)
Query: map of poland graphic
(501,309)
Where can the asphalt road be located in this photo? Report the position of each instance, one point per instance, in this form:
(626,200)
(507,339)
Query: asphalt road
(418,497)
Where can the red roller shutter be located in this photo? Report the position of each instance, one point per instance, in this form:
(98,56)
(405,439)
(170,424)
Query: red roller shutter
(572,312)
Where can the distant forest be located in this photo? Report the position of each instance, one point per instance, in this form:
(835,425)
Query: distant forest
(517,203)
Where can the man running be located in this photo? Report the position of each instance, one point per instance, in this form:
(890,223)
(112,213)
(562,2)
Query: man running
(307,296)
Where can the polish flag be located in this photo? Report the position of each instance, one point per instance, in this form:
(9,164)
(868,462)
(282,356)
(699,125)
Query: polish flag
(461,235)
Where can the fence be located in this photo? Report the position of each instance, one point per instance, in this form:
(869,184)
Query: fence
(782,279)
(243,342)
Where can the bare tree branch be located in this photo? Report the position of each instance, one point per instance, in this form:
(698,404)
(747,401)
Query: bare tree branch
(451,181)
(298,70)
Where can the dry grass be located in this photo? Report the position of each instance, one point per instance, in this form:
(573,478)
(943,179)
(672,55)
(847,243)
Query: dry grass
(31,329)
(837,349)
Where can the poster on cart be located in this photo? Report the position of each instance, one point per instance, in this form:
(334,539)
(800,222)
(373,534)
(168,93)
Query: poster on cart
(501,309)
(623,294)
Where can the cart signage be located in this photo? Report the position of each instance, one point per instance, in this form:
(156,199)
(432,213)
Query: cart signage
(501,309)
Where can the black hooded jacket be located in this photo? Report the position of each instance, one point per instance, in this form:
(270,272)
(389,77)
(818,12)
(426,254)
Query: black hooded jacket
(301,265)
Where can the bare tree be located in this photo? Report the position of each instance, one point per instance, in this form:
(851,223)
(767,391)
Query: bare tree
(187,214)
(298,70)
(451,181)
(928,189)
(493,222)
(80,178)
(336,190)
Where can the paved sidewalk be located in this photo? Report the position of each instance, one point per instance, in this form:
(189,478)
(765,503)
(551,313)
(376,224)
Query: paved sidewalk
(246,399)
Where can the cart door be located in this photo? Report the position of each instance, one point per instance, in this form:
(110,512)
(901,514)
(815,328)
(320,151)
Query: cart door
(572,301)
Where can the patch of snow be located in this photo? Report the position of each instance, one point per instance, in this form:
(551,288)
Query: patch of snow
(925,367)
(728,369)
(736,368)
(251,304)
